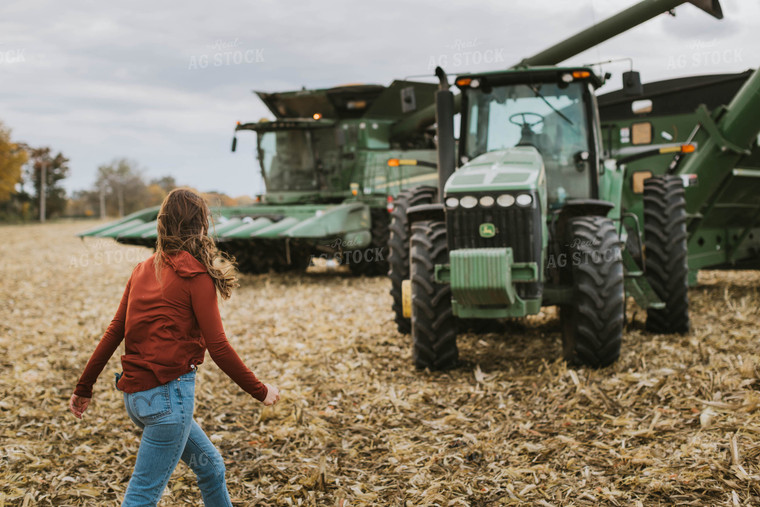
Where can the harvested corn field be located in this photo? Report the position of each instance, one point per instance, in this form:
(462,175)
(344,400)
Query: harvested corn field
(676,421)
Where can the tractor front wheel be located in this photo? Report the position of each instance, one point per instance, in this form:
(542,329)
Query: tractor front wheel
(592,325)
(433,323)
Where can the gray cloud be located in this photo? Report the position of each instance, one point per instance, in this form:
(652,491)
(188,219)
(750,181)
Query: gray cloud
(102,81)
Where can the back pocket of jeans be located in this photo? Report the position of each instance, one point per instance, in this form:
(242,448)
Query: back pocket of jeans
(151,404)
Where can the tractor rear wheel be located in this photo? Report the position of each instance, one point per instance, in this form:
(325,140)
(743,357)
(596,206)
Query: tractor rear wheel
(398,247)
(373,260)
(665,253)
(433,323)
(592,325)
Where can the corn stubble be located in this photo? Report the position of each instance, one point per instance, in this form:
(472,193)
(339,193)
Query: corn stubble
(674,421)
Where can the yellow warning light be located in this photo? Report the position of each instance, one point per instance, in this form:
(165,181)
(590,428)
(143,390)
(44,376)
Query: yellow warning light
(316,116)
(395,162)
(580,74)
(684,148)
(464,81)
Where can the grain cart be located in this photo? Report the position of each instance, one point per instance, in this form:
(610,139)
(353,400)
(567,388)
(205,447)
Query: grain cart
(323,161)
(719,113)
(533,129)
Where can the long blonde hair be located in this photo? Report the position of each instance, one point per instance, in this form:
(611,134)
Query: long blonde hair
(183,223)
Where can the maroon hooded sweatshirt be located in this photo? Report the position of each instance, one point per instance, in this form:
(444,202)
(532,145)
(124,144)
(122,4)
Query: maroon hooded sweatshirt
(166,328)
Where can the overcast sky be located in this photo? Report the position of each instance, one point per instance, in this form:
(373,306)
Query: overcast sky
(163,83)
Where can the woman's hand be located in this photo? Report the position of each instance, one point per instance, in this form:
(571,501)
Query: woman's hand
(273,395)
(78,405)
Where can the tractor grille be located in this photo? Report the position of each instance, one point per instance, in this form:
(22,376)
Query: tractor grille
(517,227)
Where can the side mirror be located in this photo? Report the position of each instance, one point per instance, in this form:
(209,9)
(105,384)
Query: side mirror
(632,83)
(581,160)
(234,143)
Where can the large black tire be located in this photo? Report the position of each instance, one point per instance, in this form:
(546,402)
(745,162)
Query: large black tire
(398,246)
(665,253)
(592,325)
(300,258)
(433,323)
(375,257)
(246,256)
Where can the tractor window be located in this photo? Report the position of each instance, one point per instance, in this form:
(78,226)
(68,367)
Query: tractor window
(546,116)
(297,160)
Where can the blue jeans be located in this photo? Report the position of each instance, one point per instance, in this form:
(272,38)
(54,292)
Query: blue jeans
(165,414)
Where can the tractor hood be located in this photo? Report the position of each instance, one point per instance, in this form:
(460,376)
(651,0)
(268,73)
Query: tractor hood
(519,168)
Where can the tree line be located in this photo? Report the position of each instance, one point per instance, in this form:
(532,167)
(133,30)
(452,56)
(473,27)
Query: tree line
(31,186)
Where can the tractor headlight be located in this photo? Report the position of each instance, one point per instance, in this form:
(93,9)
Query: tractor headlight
(486,201)
(524,199)
(468,201)
(505,200)
(452,202)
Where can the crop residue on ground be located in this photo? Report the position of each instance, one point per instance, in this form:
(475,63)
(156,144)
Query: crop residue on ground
(675,421)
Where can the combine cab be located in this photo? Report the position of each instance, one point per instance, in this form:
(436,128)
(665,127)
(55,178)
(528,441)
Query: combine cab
(329,185)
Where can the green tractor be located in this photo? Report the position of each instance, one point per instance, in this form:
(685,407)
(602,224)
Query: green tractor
(324,161)
(530,219)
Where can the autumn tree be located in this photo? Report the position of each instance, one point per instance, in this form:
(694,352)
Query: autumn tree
(166,183)
(55,168)
(158,188)
(12,160)
(216,199)
(121,187)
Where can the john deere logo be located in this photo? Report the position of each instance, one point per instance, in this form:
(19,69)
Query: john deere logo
(487,230)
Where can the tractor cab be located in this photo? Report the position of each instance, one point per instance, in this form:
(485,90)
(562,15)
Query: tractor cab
(552,110)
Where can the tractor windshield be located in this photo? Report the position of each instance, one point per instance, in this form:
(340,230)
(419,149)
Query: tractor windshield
(297,159)
(547,116)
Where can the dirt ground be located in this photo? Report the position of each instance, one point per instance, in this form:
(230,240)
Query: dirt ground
(673,422)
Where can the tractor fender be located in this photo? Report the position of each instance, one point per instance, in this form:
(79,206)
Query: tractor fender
(422,212)
(585,207)
(574,208)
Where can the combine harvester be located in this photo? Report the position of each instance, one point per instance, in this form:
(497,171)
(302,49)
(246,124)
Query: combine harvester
(533,214)
(324,162)
(721,115)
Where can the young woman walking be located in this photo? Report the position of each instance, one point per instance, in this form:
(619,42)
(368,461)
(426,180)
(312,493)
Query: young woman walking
(168,317)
